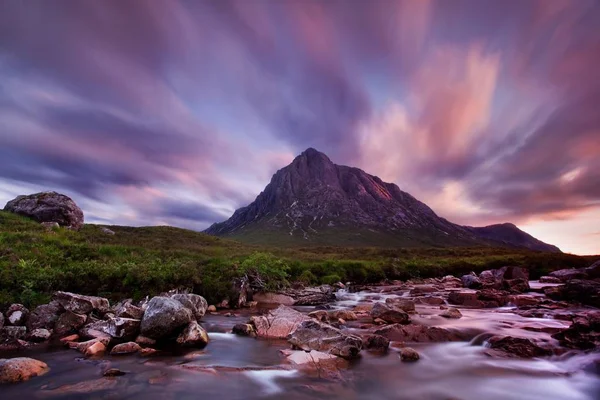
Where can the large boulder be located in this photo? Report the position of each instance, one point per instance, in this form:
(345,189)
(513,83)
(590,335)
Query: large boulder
(20,369)
(193,302)
(314,296)
(81,304)
(273,298)
(471,281)
(126,309)
(582,291)
(466,299)
(278,323)
(69,322)
(593,271)
(392,315)
(193,336)
(565,275)
(584,332)
(314,335)
(511,278)
(44,316)
(48,207)
(17,315)
(164,317)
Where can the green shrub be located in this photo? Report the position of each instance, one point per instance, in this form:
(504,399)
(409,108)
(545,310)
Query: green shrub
(330,279)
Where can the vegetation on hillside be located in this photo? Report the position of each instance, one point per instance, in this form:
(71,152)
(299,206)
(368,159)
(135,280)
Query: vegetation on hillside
(136,262)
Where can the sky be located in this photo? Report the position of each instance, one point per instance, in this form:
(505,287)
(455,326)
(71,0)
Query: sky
(179,112)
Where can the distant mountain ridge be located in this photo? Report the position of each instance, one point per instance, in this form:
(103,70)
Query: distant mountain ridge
(314,201)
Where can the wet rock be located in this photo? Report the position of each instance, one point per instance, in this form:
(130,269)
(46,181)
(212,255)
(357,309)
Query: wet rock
(565,275)
(125,348)
(363,309)
(391,315)
(243,330)
(81,304)
(69,322)
(467,299)
(452,313)
(509,346)
(39,335)
(406,305)
(319,315)
(316,363)
(163,317)
(450,281)
(582,291)
(147,352)
(193,336)
(584,332)
(128,310)
(71,338)
(144,341)
(16,315)
(346,315)
(549,279)
(21,369)
(113,372)
(431,300)
(122,328)
(82,388)
(193,302)
(278,323)
(516,285)
(377,343)
(421,289)
(420,333)
(523,300)
(96,330)
(408,354)
(48,207)
(211,309)
(314,335)
(44,316)
(471,281)
(492,298)
(223,304)
(96,349)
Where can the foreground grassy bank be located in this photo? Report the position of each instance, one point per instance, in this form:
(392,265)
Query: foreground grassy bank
(136,262)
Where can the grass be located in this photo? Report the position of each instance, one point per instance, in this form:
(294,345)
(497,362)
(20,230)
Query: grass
(136,262)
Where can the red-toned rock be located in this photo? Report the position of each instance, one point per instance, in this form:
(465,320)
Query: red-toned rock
(419,333)
(509,346)
(278,323)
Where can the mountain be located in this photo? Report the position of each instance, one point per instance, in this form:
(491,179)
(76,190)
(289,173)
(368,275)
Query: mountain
(314,201)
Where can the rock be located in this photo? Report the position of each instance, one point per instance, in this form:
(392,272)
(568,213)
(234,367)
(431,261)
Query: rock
(467,299)
(251,304)
(164,317)
(421,289)
(523,300)
(406,305)
(21,369)
(96,349)
(431,300)
(389,314)
(193,336)
(193,302)
(243,330)
(69,322)
(450,281)
(16,315)
(13,332)
(85,389)
(565,275)
(48,207)
(316,363)
(374,342)
(420,333)
(113,372)
(346,315)
(44,316)
(549,279)
(147,352)
(314,335)
(408,354)
(107,231)
(593,271)
(145,341)
(319,315)
(223,304)
(71,338)
(452,313)
(39,335)
(582,291)
(278,323)
(492,298)
(81,304)
(211,309)
(125,348)
(363,309)
(471,281)
(1,320)
(314,296)
(516,347)
(122,328)
(128,310)
(516,285)
(584,332)
(239,291)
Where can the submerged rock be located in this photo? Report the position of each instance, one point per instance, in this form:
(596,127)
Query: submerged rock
(21,369)
(516,347)
(452,313)
(164,317)
(376,342)
(408,354)
(243,330)
(48,207)
(314,335)
(278,323)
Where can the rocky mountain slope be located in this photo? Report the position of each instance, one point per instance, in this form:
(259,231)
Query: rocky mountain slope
(314,201)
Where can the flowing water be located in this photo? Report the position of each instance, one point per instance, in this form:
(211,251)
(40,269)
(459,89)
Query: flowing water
(233,367)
